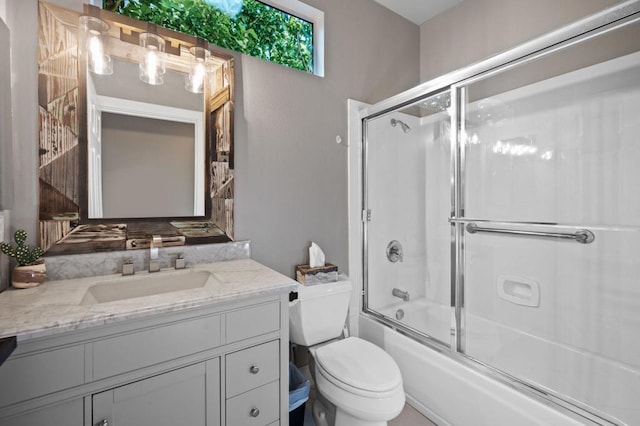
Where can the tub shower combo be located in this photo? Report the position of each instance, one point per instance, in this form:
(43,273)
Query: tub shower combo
(500,231)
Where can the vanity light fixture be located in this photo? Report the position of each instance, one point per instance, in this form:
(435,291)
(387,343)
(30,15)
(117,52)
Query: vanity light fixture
(94,36)
(152,66)
(194,81)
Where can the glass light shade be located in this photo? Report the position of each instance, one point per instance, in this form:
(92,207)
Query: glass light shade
(152,67)
(194,81)
(94,38)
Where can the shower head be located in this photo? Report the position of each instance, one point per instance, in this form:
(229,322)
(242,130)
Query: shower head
(405,126)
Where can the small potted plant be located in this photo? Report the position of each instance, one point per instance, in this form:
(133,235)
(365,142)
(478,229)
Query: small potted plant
(30,271)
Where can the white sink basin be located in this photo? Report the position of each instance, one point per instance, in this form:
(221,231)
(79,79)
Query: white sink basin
(145,285)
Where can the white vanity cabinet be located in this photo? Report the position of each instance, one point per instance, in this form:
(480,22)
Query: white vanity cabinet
(225,364)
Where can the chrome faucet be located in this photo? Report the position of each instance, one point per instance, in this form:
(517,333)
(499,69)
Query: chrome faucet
(154,263)
(404,295)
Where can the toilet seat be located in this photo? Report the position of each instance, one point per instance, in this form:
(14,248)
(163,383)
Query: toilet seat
(359,367)
(371,385)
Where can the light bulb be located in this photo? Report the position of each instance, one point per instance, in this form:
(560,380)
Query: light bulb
(152,64)
(94,36)
(195,80)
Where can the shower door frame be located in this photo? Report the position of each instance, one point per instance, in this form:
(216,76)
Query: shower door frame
(607,20)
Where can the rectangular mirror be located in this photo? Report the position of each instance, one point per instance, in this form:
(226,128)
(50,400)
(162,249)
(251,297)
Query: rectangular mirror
(136,134)
(141,141)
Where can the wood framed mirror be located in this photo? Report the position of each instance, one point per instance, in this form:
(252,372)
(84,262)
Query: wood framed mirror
(121,159)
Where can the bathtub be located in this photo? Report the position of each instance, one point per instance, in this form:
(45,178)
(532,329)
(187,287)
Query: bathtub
(448,390)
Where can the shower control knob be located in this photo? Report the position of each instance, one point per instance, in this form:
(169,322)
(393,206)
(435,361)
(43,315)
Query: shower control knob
(255,412)
(104,422)
(254,369)
(394,252)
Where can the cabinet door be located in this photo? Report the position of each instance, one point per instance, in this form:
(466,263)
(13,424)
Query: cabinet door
(69,413)
(178,397)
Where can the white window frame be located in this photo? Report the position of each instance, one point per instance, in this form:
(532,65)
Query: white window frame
(311,14)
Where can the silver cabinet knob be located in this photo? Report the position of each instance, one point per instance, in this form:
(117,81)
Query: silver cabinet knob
(254,412)
(104,422)
(254,369)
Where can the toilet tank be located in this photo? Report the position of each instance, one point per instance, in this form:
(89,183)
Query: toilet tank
(319,313)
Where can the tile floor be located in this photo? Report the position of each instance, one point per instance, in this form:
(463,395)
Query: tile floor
(408,417)
(411,417)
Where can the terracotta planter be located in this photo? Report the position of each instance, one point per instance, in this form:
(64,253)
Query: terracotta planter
(29,275)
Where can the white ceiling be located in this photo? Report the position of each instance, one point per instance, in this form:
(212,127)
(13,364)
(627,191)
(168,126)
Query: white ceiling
(418,11)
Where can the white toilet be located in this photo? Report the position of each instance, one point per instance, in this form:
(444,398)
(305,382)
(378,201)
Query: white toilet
(358,383)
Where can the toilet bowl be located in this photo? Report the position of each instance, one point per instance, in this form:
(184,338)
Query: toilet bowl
(358,383)
(360,380)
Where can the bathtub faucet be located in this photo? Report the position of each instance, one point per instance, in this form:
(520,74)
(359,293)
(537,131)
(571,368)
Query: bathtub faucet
(404,295)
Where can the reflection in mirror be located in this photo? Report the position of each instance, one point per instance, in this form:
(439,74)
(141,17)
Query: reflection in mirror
(144,140)
(123,157)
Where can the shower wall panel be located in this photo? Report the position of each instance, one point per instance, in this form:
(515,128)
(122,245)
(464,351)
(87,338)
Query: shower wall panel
(437,206)
(556,155)
(396,200)
(408,194)
(559,151)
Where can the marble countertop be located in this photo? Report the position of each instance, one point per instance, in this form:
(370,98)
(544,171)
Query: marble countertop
(55,306)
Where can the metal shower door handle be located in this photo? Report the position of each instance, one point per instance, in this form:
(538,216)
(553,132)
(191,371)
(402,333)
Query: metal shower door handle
(583,236)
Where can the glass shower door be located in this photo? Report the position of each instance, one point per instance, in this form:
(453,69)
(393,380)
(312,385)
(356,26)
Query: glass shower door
(551,206)
(406,210)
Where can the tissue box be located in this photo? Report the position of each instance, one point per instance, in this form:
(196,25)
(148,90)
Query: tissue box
(307,275)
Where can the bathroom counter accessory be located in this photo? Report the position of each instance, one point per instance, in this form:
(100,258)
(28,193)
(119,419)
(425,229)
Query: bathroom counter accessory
(58,306)
(309,275)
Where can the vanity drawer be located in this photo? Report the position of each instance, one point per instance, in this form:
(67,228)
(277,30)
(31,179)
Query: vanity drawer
(252,367)
(144,348)
(29,376)
(259,407)
(253,321)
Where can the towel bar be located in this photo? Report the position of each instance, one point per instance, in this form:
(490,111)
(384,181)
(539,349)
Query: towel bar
(582,236)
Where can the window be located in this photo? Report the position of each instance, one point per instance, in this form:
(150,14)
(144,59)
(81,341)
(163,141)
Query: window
(287,32)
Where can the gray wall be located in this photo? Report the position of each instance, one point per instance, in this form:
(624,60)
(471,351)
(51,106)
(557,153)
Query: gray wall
(21,15)
(477,29)
(291,174)
(291,183)
(147,156)
(6,146)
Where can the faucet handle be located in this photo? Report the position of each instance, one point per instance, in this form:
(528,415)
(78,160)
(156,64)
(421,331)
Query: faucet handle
(180,262)
(156,241)
(154,263)
(127,266)
(394,251)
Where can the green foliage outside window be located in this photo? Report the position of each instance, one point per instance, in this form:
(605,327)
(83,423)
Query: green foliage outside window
(258,30)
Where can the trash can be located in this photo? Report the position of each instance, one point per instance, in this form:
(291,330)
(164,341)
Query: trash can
(299,388)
